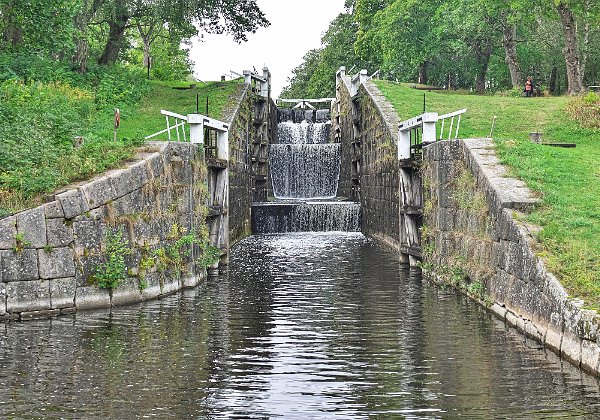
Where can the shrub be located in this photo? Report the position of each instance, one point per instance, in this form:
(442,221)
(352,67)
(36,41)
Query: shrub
(586,110)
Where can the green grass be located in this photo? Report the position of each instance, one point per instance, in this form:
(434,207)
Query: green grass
(40,119)
(568,180)
(147,119)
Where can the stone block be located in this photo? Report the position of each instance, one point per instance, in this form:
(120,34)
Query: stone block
(131,203)
(570,348)
(57,263)
(26,296)
(190,280)
(19,266)
(8,231)
(179,151)
(170,286)
(59,232)
(157,164)
(130,179)
(127,292)
(91,297)
(553,339)
(98,192)
(85,267)
(2,299)
(88,235)
(73,203)
(62,293)
(153,288)
(31,224)
(54,210)
(590,356)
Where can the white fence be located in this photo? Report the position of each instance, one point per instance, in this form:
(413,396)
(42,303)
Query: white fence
(427,125)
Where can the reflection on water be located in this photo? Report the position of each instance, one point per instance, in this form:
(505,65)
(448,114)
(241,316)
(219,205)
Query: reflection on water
(303,326)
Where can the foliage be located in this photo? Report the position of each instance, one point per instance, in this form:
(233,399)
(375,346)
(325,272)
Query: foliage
(586,110)
(476,45)
(41,118)
(112,271)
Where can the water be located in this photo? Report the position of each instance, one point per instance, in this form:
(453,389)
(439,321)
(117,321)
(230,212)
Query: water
(302,326)
(304,170)
(306,217)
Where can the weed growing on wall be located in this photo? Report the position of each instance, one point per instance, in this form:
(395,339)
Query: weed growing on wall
(111,273)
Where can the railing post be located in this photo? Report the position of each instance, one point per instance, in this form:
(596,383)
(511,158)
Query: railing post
(339,75)
(403,144)
(429,121)
(196,123)
(363,76)
(247,77)
(265,87)
(223,145)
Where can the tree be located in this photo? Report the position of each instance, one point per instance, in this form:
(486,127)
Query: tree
(571,48)
(235,17)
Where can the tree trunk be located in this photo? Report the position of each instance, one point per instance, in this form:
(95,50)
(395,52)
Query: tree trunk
(586,39)
(571,50)
(423,73)
(482,56)
(552,82)
(509,40)
(13,33)
(116,34)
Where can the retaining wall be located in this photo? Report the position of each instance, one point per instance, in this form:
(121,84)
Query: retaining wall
(475,238)
(50,255)
(367,125)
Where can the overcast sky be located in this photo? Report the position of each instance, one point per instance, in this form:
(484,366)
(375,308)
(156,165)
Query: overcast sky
(296,27)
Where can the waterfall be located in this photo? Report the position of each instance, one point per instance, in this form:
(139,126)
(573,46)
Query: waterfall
(304,170)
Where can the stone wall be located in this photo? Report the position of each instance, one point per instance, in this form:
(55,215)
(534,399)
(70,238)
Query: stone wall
(367,125)
(252,121)
(475,238)
(240,120)
(52,256)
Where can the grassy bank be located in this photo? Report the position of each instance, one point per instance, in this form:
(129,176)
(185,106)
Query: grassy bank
(568,180)
(44,106)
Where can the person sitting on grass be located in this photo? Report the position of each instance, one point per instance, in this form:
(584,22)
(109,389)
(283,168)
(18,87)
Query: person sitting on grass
(529,87)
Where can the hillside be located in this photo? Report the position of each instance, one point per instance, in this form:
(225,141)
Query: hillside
(41,119)
(566,179)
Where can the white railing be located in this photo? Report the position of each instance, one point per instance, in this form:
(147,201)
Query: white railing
(451,116)
(305,103)
(426,123)
(197,124)
(180,121)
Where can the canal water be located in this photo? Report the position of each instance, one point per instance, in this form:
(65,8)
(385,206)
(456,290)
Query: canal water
(302,326)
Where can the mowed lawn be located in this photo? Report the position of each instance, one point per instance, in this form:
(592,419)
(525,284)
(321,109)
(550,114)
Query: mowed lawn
(568,180)
(175,97)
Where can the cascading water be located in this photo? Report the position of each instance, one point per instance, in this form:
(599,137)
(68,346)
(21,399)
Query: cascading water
(304,168)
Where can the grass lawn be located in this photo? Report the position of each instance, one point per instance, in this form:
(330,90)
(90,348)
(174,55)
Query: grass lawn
(43,158)
(568,180)
(147,119)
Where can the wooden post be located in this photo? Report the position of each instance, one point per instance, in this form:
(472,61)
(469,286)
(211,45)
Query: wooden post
(117,123)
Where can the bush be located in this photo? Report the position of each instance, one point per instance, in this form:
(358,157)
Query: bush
(586,110)
(43,105)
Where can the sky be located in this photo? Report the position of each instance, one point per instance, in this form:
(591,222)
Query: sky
(296,27)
